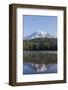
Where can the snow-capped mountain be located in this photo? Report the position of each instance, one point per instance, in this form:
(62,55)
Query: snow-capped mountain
(38,34)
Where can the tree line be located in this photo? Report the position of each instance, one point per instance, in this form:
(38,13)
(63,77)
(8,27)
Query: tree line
(40,44)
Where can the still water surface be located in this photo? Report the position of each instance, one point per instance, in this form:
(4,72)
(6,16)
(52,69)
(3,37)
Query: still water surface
(38,62)
(30,68)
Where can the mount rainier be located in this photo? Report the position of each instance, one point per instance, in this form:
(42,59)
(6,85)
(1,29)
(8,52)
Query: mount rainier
(38,34)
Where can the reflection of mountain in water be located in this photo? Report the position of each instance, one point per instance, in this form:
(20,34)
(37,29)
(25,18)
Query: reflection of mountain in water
(31,68)
(40,67)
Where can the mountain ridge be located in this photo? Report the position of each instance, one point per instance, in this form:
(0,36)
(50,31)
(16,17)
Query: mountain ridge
(38,34)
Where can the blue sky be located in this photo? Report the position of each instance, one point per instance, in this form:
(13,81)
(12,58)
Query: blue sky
(40,23)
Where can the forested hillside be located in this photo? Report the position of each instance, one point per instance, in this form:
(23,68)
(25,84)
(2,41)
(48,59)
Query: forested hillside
(40,44)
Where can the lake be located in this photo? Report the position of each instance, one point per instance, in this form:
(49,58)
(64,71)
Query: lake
(39,62)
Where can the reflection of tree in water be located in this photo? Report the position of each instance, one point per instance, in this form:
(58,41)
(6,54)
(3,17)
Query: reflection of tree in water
(39,57)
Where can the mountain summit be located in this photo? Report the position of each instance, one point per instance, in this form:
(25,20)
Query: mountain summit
(38,34)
